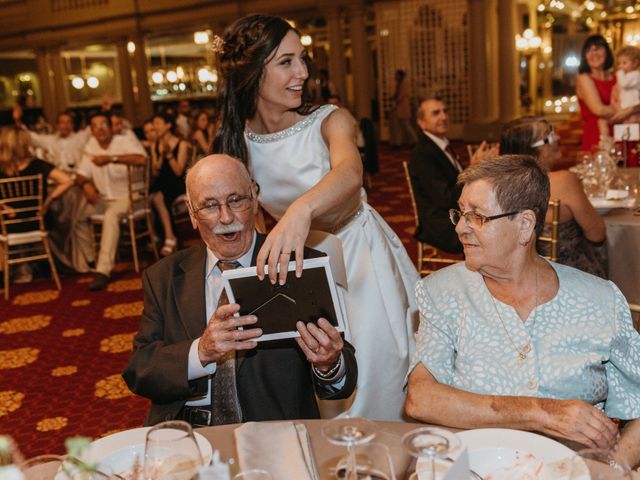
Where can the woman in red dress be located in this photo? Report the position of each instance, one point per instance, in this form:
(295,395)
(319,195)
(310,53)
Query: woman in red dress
(593,87)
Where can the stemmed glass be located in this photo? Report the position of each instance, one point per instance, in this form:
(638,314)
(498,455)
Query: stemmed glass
(373,462)
(253,474)
(429,443)
(349,432)
(598,464)
(171,452)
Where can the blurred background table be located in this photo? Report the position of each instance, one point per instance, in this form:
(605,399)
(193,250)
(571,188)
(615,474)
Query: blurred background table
(623,245)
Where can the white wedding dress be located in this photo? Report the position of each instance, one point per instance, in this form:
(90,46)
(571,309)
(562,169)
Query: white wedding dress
(380,305)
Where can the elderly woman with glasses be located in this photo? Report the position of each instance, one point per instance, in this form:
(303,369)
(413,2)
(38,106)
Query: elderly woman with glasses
(582,230)
(509,339)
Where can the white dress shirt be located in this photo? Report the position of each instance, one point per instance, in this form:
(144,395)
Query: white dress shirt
(442,144)
(63,152)
(213,286)
(110,179)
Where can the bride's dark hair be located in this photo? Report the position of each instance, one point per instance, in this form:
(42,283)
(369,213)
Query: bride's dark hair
(248,45)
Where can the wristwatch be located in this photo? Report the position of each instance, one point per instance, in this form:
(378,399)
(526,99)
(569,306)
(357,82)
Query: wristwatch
(114,159)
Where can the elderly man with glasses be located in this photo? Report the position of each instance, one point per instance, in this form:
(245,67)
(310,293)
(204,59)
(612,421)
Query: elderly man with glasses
(198,362)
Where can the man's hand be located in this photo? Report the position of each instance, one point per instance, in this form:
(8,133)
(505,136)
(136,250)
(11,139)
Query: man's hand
(484,152)
(101,160)
(222,335)
(579,421)
(321,343)
(90,193)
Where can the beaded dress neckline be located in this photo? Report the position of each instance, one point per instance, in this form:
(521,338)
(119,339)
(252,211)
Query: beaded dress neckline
(287,132)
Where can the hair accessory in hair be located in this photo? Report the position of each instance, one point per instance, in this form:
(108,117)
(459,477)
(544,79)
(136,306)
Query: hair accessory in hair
(217,44)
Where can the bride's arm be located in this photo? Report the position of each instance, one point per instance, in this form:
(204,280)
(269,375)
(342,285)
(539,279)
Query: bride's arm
(339,131)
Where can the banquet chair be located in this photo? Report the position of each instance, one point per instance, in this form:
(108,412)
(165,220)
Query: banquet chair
(179,210)
(428,255)
(471,149)
(552,239)
(23,237)
(137,221)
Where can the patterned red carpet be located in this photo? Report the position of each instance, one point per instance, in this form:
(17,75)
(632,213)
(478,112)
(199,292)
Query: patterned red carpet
(61,353)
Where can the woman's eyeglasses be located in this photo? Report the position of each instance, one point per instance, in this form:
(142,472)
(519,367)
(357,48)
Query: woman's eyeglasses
(476,219)
(548,139)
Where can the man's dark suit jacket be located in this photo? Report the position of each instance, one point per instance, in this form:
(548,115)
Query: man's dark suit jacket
(433,178)
(274,380)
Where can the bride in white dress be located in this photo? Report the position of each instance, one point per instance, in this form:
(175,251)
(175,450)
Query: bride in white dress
(307,165)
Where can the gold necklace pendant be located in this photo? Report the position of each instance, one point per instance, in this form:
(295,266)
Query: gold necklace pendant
(526,348)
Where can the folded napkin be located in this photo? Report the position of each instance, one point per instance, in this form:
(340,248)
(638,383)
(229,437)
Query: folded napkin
(616,194)
(282,448)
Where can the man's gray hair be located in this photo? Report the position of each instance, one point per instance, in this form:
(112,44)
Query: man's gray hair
(436,96)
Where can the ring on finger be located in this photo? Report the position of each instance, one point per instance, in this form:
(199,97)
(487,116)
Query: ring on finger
(285,253)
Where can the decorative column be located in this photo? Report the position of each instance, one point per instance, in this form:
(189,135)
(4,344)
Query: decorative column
(336,51)
(144,105)
(508,60)
(547,57)
(46,87)
(126,83)
(533,61)
(60,81)
(361,64)
(482,49)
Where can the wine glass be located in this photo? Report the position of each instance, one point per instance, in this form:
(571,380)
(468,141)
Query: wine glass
(373,461)
(429,443)
(171,452)
(349,432)
(253,474)
(599,464)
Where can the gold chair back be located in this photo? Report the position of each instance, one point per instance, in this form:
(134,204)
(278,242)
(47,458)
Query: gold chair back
(23,237)
(552,239)
(428,255)
(138,217)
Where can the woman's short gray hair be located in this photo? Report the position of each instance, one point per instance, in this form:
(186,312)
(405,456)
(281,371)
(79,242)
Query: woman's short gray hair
(520,182)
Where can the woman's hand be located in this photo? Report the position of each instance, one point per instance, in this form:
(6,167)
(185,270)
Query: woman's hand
(284,241)
(45,205)
(484,152)
(580,422)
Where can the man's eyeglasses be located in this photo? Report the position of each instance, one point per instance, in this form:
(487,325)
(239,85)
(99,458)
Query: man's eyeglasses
(211,209)
(476,219)
(548,139)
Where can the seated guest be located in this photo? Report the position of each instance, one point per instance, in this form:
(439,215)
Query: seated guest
(150,135)
(169,157)
(434,168)
(509,339)
(203,131)
(581,228)
(188,340)
(64,148)
(16,160)
(121,126)
(102,175)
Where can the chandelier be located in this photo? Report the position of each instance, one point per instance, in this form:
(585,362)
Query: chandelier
(593,9)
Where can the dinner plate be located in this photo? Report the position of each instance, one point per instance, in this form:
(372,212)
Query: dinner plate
(118,452)
(493,449)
